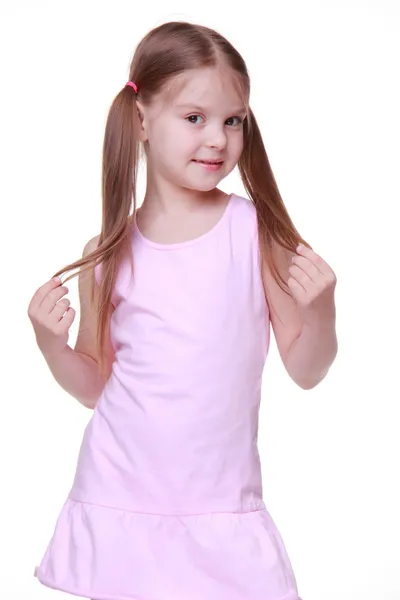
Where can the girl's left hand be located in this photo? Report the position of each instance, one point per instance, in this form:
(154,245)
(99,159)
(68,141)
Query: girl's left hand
(312,283)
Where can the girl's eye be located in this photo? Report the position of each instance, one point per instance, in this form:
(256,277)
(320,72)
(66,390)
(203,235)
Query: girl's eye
(238,119)
(193,117)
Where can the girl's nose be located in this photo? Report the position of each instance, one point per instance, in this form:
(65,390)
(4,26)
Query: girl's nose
(217,139)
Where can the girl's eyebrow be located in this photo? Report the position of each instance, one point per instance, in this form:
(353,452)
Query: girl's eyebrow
(241,109)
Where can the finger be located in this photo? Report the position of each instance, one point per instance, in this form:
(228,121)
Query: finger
(301,277)
(49,302)
(298,292)
(41,293)
(307,266)
(317,260)
(65,323)
(60,308)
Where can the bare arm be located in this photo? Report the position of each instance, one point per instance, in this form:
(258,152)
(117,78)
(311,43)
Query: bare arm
(312,354)
(304,328)
(78,374)
(76,370)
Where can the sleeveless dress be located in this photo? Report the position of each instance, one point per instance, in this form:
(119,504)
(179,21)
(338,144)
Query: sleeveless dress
(166,503)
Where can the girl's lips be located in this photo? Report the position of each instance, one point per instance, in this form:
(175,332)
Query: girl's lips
(210,162)
(210,166)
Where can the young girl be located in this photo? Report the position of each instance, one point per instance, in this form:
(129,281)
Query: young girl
(167,500)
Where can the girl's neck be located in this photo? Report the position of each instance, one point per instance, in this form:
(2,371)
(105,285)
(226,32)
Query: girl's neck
(166,221)
(178,203)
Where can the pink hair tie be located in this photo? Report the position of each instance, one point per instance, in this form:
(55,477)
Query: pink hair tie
(132,84)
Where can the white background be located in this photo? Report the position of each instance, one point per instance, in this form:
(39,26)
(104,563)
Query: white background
(325,79)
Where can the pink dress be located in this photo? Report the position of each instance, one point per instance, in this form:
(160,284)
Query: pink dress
(167,500)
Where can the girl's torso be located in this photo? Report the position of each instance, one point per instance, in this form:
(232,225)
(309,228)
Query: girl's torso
(175,429)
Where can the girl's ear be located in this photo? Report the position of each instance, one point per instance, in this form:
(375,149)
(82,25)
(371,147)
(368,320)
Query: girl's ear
(142,121)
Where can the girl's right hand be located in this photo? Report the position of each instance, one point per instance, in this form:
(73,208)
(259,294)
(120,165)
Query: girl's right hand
(46,313)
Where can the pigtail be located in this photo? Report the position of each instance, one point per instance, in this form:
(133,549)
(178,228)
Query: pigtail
(119,182)
(274,223)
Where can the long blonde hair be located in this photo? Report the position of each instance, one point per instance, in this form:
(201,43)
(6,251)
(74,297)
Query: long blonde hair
(165,52)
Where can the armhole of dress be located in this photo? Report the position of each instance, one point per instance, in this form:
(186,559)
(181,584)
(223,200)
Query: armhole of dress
(97,275)
(258,257)
(258,267)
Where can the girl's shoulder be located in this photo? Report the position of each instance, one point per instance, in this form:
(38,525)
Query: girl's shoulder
(243,204)
(244,211)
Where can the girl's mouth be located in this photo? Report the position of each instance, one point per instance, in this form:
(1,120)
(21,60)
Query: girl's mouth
(210,165)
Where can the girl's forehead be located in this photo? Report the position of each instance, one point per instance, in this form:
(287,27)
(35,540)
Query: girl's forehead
(206,87)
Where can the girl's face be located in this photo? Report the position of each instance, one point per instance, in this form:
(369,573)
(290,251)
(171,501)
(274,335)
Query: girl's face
(203,121)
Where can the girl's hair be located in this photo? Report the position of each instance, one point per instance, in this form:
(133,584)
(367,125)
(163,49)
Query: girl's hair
(164,53)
